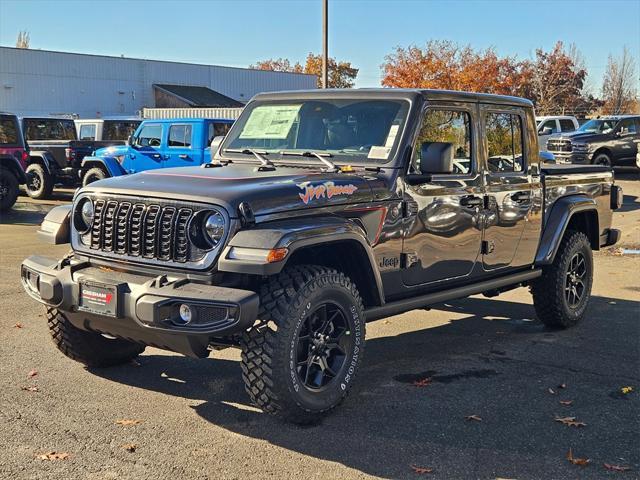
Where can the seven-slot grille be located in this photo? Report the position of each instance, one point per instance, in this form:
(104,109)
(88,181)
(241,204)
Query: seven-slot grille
(141,230)
(557,145)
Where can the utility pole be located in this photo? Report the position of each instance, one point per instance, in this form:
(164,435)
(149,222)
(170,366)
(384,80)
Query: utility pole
(325,43)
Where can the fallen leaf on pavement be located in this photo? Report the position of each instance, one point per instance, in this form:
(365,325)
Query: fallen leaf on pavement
(617,468)
(566,402)
(552,391)
(577,461)
(32,388)
(626,390)
(421,470)
(422,383)
(570,421)
(130,447)
(51,456)
(127,422)
(32,373)
(473,417)
(17,325)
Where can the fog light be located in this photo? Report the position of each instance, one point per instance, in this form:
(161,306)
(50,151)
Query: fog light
(33,280)
(185,313)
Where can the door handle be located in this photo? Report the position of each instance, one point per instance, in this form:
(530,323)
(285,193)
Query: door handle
(471,201)
(156,155)
(520,197)
(183,155)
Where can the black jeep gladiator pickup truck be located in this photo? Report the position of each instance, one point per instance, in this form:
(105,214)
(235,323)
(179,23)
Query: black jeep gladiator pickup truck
(56,154)
(320,211)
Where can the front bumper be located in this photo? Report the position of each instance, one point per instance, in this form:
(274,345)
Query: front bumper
(146,308)
(579,158)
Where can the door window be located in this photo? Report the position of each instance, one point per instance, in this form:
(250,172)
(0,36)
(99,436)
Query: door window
(505,142)
(567,125)
(8,132)
(87,132)
(549,124)
(180,136)
(150,136)
(450,126)
(218,129)
(627,126)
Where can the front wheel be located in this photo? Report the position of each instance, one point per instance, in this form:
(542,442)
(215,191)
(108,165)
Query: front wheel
(89,348)
(602,159)
(301,360)
(562,293)
(93,175)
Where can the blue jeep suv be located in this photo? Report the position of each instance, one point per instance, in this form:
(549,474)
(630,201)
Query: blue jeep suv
(176,142)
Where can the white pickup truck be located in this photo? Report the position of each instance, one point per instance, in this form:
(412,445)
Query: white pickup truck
(552,125)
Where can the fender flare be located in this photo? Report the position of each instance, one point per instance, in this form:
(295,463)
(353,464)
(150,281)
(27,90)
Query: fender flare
(556,225)
(13,165)
(295,235)
(45,158)
(110,165)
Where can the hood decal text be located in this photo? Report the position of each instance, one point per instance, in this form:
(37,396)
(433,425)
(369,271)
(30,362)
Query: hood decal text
(323,190)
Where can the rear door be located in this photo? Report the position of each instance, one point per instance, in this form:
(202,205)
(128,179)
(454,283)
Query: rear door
(146,151)
(513,187)
(443,241)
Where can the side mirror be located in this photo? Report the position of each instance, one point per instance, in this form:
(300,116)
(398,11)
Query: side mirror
(436,157)
(215,145)
(130,140)
(546,131)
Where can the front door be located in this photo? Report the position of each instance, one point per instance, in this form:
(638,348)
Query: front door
(442,241)
(179,151)
(146,152)
(512,188)
(624,146)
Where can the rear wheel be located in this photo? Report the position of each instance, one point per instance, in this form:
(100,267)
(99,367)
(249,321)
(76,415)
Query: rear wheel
(9,189)
(562,294)
(89,348)
(39,182)
(93,175)
(301,360)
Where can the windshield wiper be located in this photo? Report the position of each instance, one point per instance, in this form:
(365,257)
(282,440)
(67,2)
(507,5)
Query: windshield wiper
(331,167)
(266,164)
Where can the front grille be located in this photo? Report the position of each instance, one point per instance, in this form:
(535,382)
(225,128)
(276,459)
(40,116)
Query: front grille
(559,145)
(149,231)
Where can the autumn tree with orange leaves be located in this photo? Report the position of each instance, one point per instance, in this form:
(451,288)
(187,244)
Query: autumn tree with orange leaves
(341,74)
(554,80)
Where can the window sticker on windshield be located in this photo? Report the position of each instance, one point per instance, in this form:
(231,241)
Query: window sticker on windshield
(391,138)
(270,122)
(379,153)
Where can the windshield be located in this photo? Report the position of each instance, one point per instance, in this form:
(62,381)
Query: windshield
(598,126)
(350,130)
(49,129)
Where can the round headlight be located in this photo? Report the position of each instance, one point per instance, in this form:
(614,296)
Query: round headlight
(84,215)
(214,228)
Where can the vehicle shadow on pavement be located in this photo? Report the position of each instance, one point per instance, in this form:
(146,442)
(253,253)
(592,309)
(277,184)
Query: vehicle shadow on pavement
(629,204)
(491,359)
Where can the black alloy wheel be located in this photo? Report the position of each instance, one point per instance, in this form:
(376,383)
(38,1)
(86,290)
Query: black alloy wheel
(574,286)
(323,343)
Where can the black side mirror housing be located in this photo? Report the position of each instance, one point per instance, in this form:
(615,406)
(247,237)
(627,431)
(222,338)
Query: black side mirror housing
(436,157)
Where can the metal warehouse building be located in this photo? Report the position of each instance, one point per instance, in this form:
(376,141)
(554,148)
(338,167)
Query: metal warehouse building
(40,82)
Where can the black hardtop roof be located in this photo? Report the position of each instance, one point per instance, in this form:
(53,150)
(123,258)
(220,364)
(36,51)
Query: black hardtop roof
(396,93)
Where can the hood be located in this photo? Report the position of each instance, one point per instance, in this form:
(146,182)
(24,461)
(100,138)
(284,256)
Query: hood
(584,136)
(267,192)
(112,151)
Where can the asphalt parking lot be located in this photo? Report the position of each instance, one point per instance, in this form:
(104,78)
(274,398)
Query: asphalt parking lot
(498,381)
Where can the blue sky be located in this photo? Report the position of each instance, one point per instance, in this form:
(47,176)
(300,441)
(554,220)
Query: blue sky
(238,33)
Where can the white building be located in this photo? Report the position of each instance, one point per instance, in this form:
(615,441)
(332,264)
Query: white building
(40,82)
